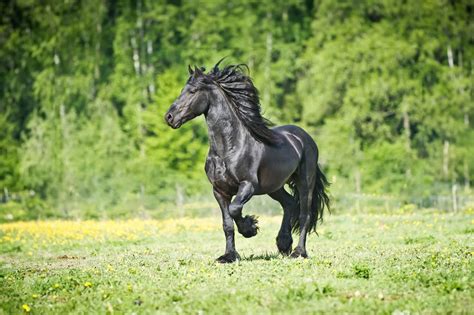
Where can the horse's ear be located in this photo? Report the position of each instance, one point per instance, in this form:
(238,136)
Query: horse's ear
(190,70)
(216,67)
(197,71)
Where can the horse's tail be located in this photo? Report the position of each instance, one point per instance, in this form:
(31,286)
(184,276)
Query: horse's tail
(320,199)
(319,202)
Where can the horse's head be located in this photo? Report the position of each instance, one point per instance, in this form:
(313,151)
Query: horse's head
(193,100)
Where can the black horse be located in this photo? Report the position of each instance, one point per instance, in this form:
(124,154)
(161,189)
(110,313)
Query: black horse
(248,158)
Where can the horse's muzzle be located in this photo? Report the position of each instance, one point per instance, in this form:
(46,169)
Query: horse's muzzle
(170,120)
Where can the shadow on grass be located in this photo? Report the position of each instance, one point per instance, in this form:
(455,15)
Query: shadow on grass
(264,256)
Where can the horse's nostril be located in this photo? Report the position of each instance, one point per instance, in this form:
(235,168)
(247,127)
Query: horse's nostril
(169,117)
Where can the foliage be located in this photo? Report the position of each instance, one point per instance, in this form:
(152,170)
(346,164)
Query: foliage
(385,87)
(410,263)
(9,154)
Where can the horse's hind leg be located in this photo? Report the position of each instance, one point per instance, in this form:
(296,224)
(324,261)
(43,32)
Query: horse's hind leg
(305,183)
(288,203)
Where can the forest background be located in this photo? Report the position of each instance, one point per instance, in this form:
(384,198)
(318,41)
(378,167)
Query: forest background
(384,87)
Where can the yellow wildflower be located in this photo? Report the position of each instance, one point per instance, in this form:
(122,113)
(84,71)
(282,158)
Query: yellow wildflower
(26,308)
(87,284)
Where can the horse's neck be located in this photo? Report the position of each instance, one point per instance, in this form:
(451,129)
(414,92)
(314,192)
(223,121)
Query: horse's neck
(227,134)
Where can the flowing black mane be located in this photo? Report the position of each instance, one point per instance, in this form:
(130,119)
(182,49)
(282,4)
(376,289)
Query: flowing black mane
(243,96)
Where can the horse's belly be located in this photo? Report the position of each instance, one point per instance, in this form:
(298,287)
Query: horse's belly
(272,180)
(276,170)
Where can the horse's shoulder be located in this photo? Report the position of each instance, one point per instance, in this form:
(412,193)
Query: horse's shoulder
(219,175)
(215,168)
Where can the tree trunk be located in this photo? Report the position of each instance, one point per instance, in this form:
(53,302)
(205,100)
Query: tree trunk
(66,181)
(151,69)
(467,179)
(450,57)
(446,159)
(358,188)
(180,199)
(454,190)
(6,196)
(139,63)
(466,114)
(135,56)
(268,62)
(467,184)
(140,69)
(406,127)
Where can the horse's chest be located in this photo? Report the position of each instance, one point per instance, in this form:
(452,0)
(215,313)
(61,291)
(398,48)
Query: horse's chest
(219,175)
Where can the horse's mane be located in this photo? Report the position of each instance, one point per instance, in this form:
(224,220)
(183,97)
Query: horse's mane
(243,96)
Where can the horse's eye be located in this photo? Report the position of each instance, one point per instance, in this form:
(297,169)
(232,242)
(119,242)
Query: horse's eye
(193,91)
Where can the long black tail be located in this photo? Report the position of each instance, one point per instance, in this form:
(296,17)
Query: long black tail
(319,202)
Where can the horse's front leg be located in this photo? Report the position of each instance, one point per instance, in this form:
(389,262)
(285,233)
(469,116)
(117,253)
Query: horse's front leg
(247,226)
(230,254)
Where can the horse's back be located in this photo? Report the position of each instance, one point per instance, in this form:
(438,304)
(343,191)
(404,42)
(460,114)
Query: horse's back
(293,131)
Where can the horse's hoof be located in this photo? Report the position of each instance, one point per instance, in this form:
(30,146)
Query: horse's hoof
(298,252)
(284,243)
(228,258)
(248,226)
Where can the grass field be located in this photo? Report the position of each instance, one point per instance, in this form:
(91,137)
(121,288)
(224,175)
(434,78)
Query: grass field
(406,263)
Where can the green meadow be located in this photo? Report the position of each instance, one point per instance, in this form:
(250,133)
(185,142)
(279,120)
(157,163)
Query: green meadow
(404,263)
